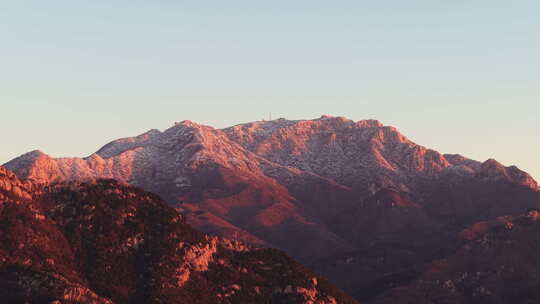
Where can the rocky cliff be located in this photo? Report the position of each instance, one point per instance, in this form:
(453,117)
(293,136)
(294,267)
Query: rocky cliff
(106,242)
(339,195)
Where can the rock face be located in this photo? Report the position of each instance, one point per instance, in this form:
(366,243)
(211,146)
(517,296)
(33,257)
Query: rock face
(345,151)
(357,201)
(11,188)
(498,263)
(104,242)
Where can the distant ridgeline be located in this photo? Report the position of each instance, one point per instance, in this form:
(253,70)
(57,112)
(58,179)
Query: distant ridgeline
(357,201)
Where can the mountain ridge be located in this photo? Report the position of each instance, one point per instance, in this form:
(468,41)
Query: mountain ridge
(423,159)
(105,242)
(302,185)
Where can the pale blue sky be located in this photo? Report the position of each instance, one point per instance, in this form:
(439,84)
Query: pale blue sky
(457,76)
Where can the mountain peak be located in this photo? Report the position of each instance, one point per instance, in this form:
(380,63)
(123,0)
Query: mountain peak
(493,170)
(365,123)
(24,165)
(35,154)
(189,123)
(369,123)
(332,147)
(312,187)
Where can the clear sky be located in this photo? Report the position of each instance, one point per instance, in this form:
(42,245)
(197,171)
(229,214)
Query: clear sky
(457,76)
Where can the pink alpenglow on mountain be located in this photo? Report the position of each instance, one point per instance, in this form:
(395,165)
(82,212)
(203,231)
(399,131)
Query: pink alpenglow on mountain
(105,242)
(357,201)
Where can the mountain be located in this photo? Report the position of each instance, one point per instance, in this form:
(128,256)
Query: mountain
(498,263)
(356,201)
(105,242)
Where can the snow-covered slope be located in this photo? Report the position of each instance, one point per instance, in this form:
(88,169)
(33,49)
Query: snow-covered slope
(316,188)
